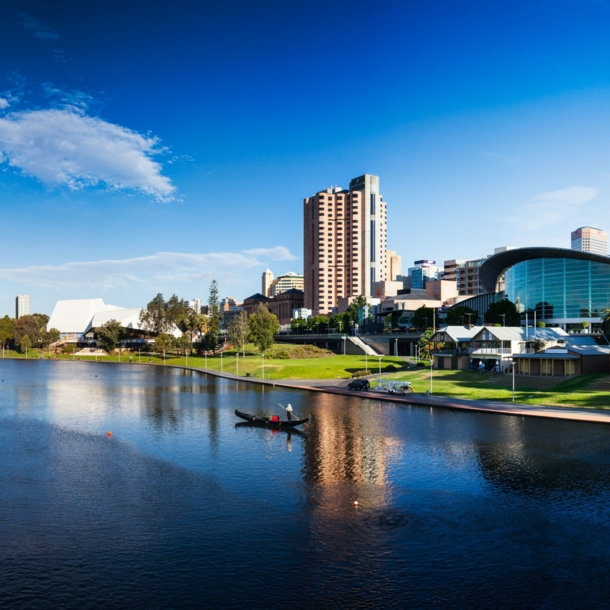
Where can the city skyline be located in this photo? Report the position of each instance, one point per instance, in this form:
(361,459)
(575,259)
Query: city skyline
(489,122)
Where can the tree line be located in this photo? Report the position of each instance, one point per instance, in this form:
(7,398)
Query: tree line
(27,332)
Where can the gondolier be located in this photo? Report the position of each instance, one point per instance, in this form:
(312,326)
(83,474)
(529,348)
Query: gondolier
(289,411)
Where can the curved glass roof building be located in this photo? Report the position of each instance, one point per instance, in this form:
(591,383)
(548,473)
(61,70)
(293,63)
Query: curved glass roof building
(562,286)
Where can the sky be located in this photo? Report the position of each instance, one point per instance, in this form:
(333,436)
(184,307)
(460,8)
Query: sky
(151,147)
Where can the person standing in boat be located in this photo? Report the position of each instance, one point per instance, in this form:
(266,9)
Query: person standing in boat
(289,411)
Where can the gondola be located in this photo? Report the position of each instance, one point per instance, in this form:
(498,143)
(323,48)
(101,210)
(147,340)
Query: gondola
(268,421)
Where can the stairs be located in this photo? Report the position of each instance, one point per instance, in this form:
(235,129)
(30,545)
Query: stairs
(601,385)
(366,349)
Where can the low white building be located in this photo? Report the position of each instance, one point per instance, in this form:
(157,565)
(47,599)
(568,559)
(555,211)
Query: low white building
(77,318)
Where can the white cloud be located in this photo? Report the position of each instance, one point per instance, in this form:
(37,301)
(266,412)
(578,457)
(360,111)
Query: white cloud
(37,29)
(3,103)
(66,147)
(146,270)
(553,207)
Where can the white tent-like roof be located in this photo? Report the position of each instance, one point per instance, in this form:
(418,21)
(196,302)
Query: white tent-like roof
(79,316)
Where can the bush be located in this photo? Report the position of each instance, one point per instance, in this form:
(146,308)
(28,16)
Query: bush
(392,367)
(420,363)
(361,374)
(281,355)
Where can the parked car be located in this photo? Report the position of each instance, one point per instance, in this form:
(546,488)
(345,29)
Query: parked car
(359,384)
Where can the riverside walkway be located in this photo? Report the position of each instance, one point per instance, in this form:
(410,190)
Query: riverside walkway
(339,386)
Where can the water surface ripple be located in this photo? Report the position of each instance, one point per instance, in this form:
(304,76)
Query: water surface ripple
(180,508)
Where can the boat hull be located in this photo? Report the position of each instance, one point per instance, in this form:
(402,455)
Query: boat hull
(266,421)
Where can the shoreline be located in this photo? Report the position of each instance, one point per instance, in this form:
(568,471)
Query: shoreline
(420,400)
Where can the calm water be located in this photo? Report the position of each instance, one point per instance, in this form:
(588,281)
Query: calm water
(181,508)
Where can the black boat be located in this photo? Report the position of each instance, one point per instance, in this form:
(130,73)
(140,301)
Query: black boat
(269,421)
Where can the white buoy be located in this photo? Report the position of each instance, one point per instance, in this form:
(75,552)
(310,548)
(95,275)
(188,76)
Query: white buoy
(356,503)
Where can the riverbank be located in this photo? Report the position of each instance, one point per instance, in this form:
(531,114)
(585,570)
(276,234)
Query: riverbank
(569,399)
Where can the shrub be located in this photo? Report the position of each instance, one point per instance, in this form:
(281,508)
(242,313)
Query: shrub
(361,374)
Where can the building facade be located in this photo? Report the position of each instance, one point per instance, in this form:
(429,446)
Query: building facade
(558,286)
(22,305)
(281,306)
(422,272)
(394,265)
(286,282)
(589,239)
(194,304)
(345,243)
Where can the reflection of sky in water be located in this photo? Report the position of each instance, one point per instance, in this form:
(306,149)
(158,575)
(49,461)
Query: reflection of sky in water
(454,506)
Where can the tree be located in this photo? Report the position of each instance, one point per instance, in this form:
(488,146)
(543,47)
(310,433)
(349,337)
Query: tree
(163,343)
(423,317)
(154,318)
(318,324)
(213,317)
(109,334)
(49,337)
(461,314)
(25,344)
(298,325)
(354,307)
(263,325)
(7,330)
(538,345)
(496,311)
(341,322)
(33,326)
(175,309)
(424,343)
(184,344)
(238,331)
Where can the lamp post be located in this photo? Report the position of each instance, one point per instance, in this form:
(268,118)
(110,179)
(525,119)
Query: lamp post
(237,363)
(139,360)
(431,363)
(163,356)
(366,361)
(380,357)
(221,369)
(263,360)
(513,380)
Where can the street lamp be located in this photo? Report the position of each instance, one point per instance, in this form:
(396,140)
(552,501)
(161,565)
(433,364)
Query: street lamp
(263,359)
(380,357)
(237,363)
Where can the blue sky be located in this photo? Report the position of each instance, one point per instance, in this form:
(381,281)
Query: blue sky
(149,146)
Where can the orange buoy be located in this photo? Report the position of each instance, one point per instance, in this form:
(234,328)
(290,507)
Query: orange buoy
(109,433)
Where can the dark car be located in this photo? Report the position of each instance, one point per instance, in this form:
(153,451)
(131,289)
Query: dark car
(359,384)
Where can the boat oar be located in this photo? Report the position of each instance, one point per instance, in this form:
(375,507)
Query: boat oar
(285,409)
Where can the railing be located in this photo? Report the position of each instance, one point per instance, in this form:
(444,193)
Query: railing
(493,350)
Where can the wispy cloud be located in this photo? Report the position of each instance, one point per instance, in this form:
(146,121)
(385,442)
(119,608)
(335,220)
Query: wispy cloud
(554,206)
(67,147)
(4,103)
(37,29)
(163,267)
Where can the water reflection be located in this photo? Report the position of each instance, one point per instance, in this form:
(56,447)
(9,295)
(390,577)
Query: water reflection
(456,509)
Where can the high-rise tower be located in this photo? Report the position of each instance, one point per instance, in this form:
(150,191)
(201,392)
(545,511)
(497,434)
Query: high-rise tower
(345,233)
(588,239)
(267,280)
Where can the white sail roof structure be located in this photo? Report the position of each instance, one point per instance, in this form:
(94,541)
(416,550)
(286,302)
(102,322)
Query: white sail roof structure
(79,316)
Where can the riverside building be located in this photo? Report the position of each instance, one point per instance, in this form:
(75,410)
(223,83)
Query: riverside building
(345,243)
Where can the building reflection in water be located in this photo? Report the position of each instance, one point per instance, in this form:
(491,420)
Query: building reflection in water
(527,461)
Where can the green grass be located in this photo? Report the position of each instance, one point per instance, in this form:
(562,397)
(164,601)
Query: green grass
(472,385)
(329,367)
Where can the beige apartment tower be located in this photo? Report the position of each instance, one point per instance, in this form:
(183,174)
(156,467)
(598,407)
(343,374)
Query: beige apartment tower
(267,280)
(345,233)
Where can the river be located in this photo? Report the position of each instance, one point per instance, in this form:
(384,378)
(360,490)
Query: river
(180,508)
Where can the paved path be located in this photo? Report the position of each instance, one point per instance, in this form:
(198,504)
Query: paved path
(339,386)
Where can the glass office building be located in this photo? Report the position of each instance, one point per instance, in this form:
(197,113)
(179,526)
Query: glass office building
(562,286)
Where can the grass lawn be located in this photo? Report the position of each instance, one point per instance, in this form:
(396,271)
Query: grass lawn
(485,386)
(329,367)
